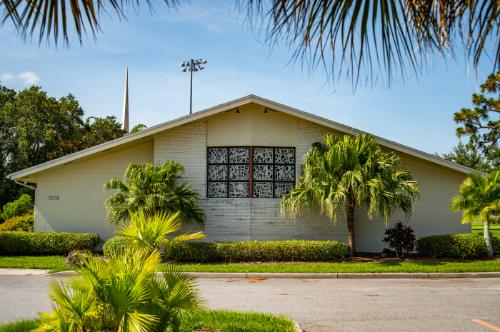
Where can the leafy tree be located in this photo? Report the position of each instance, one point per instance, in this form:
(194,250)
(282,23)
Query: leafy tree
(38,123)
(468,155)
(479,199)
(481,123)
(8,190)
(35,128)
(153,190)
(137,128)
(351,38)
(18,207)
(342,174)
(94,131)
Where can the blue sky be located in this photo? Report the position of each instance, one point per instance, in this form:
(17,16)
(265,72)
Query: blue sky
(416,112)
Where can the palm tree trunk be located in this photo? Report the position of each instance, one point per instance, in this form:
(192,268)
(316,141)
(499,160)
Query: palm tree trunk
(487,237)
(350,229)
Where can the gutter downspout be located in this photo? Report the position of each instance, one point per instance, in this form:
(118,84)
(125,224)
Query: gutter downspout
(24,185)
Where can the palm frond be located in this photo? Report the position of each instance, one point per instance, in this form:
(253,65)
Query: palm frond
(364,39)
(58,20)
(351,171)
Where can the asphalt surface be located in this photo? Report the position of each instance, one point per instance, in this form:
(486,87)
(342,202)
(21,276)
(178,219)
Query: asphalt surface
(321,304)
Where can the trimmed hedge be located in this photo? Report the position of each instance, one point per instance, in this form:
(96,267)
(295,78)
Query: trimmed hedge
(38,244)
(115,245)
(496,244)
(19,223)
(253,251)
(453,245)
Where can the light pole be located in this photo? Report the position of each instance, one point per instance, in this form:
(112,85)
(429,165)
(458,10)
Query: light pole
(191,66)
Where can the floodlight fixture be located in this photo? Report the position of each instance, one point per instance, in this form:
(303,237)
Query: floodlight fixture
(192,66)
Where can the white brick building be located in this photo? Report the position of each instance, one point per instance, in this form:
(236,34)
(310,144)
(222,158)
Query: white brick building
(240,156)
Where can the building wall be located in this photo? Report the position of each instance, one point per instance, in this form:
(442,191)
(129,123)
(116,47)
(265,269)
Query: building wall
(431,215)
(80,187)
(231,219)
(188,145)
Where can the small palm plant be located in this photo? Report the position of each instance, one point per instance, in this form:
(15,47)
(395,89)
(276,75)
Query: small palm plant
(153,189)
(125,292)
(343,173)
(150,233)
(479,199)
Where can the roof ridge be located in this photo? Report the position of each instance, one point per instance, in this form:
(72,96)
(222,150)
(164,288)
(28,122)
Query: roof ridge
(227,106)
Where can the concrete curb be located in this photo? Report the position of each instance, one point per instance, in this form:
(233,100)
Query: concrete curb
(23,272)
(226,275)
(347,275)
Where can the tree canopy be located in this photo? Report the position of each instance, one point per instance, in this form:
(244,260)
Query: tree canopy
(481,124)
(35,128)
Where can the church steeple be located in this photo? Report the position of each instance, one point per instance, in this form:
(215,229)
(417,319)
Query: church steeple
(125,125)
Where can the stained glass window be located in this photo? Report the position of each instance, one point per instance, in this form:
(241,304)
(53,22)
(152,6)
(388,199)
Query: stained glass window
(260,172)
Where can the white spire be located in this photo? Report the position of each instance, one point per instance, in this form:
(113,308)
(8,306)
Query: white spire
(125,105)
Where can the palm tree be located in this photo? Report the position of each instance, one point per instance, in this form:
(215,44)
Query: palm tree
(479,199)
(123,293)
(346,172)
(347,37)
(153,190)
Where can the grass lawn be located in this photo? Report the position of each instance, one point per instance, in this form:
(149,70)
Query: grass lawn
(52,263)
(211,320)
(56,263)
(411,266)
(494,229)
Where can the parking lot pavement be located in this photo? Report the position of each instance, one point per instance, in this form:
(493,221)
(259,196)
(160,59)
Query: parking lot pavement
(321,304)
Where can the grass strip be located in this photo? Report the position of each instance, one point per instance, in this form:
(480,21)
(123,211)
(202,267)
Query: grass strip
(234,321)
(52,263)
(210,320)
(408,266)
(56,264)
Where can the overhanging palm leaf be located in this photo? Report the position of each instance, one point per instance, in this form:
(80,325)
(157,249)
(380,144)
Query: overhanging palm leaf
(353,38)
(55,18)
(367,37)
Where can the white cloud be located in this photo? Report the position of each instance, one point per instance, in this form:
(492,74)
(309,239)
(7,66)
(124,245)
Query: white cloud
(7,77)
(26,78)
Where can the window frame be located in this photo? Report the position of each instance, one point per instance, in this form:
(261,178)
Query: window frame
(250,180)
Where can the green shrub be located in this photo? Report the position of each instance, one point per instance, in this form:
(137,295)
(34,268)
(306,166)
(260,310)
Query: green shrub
(38,244)
(253,251)
(116,245)
(401,238)
(496,244)
(202,252)
(18,223)
(20,206)
(453,245)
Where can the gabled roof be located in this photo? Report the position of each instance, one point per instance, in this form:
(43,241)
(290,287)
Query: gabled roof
(225,107)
